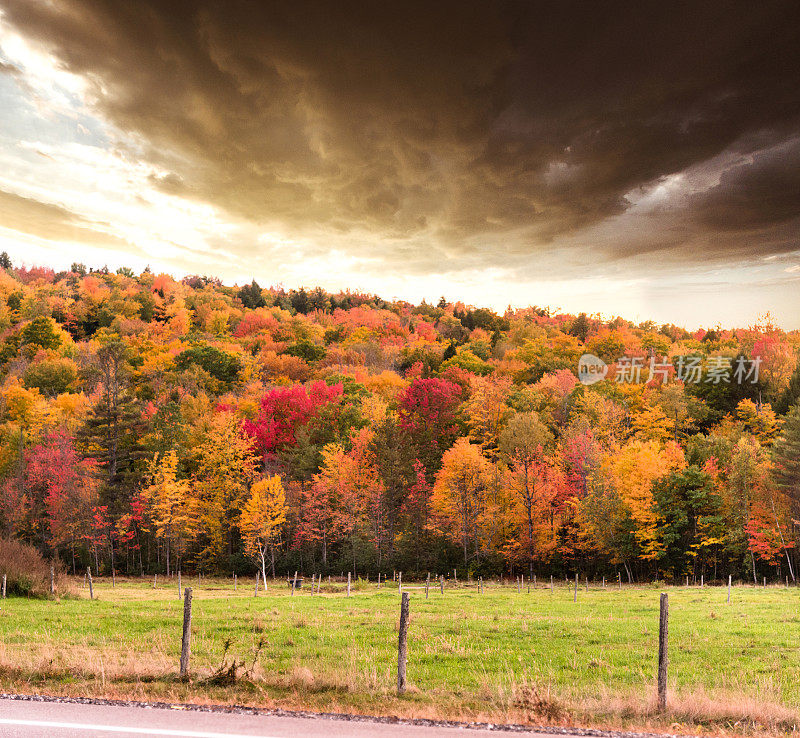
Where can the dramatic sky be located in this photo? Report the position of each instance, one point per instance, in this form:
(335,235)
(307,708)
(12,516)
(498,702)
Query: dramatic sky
(637,158)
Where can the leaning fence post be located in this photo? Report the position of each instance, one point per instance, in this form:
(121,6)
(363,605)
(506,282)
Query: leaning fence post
(89,578)
(663,656)
(402,645)
(186,641)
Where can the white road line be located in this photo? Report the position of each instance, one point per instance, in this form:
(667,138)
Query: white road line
(122,729)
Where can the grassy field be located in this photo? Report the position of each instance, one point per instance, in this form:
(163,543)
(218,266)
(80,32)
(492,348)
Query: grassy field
(537,657)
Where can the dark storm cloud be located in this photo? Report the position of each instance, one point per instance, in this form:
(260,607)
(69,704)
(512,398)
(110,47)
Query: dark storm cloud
(762,192)
(448,123)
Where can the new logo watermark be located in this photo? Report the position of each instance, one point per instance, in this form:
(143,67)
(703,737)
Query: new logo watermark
(591,369)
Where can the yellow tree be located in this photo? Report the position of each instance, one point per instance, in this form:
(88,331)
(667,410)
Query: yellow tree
(460,495)
(262,517)
(634,469)
(760,420)
(524,442)
(486,410)
(225,465)
(171,506)
(652,424)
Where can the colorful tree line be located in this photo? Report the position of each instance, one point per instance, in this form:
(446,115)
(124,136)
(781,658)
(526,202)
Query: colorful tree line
(149,424)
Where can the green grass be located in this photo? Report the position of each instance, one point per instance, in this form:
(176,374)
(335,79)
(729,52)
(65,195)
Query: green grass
(502,655)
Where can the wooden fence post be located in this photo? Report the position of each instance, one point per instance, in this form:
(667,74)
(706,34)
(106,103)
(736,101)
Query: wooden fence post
(155,579)
(255,593)
(402,645)
(348,583)
(663,656)
(587,585)
(619,580)
(89,578)
(186,640)
(4,586)
(551,584)
(400,583)
(113,577)
(441,583)
(180,589)
(575,596)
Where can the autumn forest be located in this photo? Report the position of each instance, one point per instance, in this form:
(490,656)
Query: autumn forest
(150,424)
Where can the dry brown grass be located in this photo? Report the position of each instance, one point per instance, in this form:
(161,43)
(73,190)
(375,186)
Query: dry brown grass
(719,713)
(27,573)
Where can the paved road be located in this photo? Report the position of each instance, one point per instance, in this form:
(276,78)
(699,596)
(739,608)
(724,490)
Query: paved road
(69,720)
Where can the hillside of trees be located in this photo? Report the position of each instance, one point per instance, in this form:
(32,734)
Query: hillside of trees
(148,423)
